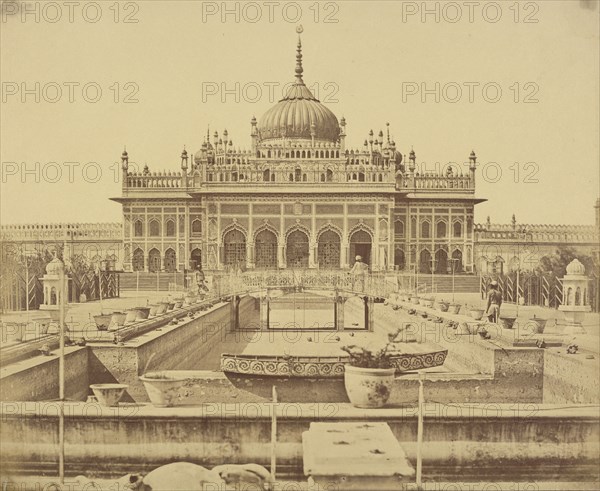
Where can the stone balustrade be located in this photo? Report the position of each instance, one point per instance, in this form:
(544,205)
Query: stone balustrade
(61,231)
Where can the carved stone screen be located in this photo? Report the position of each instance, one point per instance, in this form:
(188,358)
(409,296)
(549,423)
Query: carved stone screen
(296,251)
(234,248)
(265,248)
(329,250)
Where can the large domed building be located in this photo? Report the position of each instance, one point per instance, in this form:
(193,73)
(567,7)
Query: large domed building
(298,197)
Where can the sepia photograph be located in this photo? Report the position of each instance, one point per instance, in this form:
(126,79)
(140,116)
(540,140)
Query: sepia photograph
(303,245)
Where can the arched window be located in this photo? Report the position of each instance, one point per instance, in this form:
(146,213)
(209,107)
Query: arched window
(399,228)
(297,175)
(425,230)
(154,228)
(413,227)
(457,229)
(329,175)
(170,228)
(138,228)
(322,177)
(440,231)
(196,227)
(361,177)
(267,175)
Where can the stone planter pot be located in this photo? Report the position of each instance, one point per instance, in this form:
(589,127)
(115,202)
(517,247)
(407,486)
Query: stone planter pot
(188,300)
(143,313)
(165,389)
(476,314)
(414,299)
(178,303)
(153,309)
(443,306)
(162,308)
(507,322)
(108,394)
(170,305)
(118,319)
(131,315)
(538,324)
(454,308)
(368,387)
(426,302)
(102,321)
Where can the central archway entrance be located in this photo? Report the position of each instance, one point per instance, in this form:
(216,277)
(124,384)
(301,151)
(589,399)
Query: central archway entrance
(234,243)
(170,261)
(329,250)
(265,250)
(154,261)
(196,259)
(296,250)
(360,245)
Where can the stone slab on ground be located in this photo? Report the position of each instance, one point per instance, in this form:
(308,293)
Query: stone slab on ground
(354,456)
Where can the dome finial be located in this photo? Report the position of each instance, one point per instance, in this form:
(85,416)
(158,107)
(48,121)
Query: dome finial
(299,69)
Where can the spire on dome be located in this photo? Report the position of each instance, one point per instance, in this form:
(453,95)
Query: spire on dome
(299,69)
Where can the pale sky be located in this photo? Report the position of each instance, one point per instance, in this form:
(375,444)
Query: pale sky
(366,62)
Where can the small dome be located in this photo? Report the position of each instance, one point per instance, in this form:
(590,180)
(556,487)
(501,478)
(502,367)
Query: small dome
(54,267)
(575,268)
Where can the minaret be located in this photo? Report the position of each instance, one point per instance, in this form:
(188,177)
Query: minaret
(254,135)
(412,160)
(597,207)
(124,167)
(342,135)
(472,167)
(184,168)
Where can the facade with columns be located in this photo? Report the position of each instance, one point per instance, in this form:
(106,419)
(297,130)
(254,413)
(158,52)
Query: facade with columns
(299,197)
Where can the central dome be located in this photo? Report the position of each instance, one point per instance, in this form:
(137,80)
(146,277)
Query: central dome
(299,114)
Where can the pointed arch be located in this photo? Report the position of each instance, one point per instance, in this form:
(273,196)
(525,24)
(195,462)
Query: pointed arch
(329,247)
(297,247)
(265,246)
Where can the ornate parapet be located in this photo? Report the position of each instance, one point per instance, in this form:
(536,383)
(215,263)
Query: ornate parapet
(59,232)
(165,179)
(536,233)
(434,181)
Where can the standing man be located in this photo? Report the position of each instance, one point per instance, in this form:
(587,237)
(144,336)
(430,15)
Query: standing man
(494,302)
(358,271)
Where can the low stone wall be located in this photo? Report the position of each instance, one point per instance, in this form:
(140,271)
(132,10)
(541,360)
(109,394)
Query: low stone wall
(462,442)
(170,348)
(36,379)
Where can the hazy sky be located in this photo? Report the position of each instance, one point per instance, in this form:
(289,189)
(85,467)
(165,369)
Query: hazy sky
(367,67)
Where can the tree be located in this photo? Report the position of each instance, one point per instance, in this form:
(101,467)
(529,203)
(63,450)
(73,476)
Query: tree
(557,263)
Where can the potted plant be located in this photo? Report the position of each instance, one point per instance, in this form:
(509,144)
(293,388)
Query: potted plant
(131,315)
(368,376)
(538,324)
(443,305)
(507,322)
(414,298)
(166,389)
(426,301)
(108,394)
(118,319)
(142,313)
(102,321)
(476,313)
(454,308)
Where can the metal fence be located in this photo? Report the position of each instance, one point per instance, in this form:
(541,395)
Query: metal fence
(533,288)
